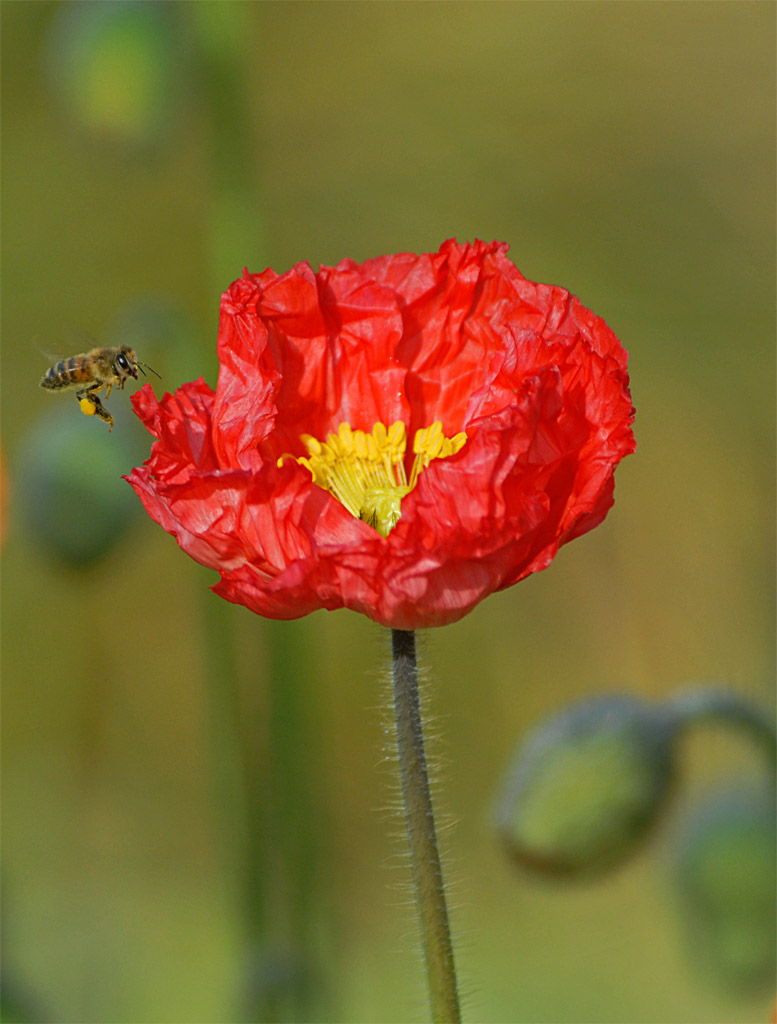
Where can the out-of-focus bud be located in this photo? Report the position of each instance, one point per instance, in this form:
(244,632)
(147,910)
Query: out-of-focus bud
(113,66)
(726,871)
(69,493)
(586,785)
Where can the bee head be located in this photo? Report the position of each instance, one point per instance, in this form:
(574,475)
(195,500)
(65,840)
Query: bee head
(126,363)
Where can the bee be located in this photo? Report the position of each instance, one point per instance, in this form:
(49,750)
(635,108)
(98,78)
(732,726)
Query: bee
(92,371)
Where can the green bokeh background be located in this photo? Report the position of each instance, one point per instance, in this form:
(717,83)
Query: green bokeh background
(625,151)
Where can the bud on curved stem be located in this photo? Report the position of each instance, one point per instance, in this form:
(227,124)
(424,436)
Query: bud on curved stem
(586,786)
(428,884)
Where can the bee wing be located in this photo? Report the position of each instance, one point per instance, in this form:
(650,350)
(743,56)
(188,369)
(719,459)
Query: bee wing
(50,356)
(77,340)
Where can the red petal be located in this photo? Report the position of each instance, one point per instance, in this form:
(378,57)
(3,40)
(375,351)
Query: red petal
(538,382)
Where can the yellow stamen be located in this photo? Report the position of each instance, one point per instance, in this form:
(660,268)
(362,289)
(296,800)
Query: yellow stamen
(366,472)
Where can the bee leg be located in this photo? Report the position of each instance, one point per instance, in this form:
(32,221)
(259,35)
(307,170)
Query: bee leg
(88,400)
(91,404)
(102,412)
(90,392)
(109,386)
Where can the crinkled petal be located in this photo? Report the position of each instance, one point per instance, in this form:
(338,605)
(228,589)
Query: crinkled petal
(537,381)
(302,353)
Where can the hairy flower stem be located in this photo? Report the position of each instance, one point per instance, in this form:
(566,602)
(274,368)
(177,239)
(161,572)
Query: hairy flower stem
(419,821)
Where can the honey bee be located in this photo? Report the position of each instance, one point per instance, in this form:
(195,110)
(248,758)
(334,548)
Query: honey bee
(92,371)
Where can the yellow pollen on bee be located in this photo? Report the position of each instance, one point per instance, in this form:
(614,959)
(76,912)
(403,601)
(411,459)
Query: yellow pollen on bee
(366,472)
(87,408)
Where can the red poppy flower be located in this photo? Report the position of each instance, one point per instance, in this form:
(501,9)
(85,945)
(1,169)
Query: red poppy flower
(401,437)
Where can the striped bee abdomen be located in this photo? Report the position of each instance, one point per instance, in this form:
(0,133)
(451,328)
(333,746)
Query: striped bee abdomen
(66,373)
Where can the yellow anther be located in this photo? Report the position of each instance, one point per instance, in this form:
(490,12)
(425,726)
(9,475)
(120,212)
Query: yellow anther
(396,432)
(366,471)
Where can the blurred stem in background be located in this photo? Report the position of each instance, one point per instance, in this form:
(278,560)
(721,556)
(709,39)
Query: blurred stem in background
(269,800)
(721,704)
(223,33)
(237,793)
(262,751)
(296,803)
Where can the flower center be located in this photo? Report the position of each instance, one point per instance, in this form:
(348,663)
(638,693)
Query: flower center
(366,472)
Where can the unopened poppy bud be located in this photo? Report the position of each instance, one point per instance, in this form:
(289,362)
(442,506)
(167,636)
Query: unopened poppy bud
(70,495)
(586,785)
(113,67)
(725,870)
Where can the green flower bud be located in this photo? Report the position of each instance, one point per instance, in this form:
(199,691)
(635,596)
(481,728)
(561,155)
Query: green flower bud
(113,65)
(69,493)
(726,867)
(586,785)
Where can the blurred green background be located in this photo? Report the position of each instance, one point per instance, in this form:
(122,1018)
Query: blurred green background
(197,812)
